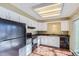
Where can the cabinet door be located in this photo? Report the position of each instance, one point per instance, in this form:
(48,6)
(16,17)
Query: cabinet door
(44,40)
(3,12)
(42,27)
(41,40)
(28,49)
(50,41)
(54,41)
(22,51)
(36,26)
(14,16)
(23,20)
(64,26)
(35,40)
(8,14)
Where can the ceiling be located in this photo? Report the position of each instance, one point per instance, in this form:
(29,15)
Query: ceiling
(67,9)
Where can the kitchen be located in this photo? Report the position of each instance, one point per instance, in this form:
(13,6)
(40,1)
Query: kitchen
(52,32)
(55,39)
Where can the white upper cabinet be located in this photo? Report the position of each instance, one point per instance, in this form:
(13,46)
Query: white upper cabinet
(3,13)
(64,25)
(32,23)
(23,20)
(28,22)
(42,27)
(14,16)
(8,14)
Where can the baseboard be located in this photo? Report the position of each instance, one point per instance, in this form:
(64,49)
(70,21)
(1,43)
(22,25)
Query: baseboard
(54,47)
(48,46)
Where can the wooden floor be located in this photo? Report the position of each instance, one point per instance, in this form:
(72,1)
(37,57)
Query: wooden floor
(47,51)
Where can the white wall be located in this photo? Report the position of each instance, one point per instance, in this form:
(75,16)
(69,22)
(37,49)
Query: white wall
(74,43)
(75,36)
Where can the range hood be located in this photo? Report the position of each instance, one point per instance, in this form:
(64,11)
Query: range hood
(30,27)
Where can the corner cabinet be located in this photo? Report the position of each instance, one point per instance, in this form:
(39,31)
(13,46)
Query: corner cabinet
(64,25)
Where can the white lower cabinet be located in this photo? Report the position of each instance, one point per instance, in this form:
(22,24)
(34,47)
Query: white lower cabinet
(50,40)
(43,40)
(28,49)
(22,51)
(54,41)
(38,42)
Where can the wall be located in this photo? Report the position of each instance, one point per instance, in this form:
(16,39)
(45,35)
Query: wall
(76,33)
(54,28)
(72,32)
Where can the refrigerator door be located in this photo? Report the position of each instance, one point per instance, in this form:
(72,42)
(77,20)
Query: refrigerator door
(18,42)
(2,32)
(5,45)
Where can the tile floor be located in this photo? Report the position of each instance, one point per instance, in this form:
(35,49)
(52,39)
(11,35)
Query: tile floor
(47,51)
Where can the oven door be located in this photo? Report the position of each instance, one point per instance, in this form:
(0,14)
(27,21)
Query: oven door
(28,41)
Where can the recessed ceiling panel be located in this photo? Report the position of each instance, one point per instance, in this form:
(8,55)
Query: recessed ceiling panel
(49,10)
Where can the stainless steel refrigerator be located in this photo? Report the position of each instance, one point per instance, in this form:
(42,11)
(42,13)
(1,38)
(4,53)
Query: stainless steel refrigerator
(12,37)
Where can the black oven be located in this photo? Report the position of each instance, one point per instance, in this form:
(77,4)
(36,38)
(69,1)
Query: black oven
(29,38)
(29,35)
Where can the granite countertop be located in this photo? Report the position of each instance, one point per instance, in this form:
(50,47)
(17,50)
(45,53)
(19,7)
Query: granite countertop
(51,35)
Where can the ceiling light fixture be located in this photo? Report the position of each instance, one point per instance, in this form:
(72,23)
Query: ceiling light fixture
(51,15)
(52,10)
